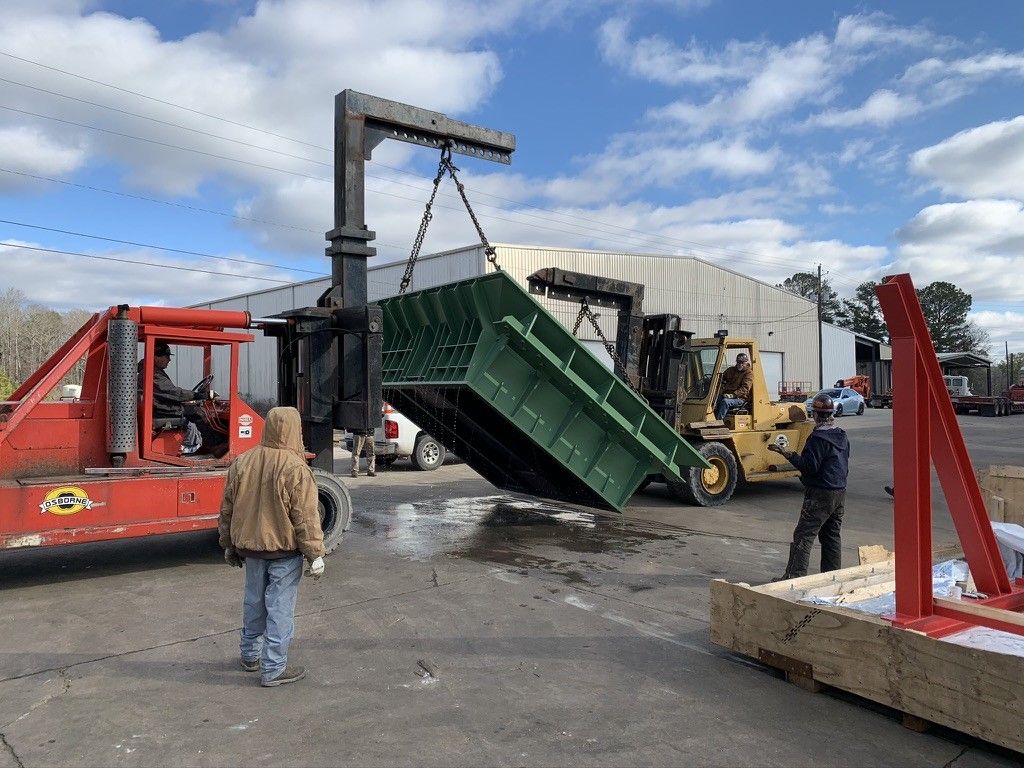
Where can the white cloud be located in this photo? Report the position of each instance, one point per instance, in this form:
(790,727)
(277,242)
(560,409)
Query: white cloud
(987,161)
(873,30)
(977,244)
(277,68)
(622,169)
(28,150)
(773,80)
(658,59)
(1001,325)
(883,107)
(64,281)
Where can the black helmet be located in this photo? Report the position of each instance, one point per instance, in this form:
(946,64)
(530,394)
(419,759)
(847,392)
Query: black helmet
(822,405)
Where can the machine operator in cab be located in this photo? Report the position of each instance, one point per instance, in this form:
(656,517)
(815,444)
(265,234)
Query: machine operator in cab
(170,401)
(737,382)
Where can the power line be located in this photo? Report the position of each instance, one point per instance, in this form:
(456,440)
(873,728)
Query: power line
(138,262)
(164,122)
(161,247)
(159,101)
(707,248)
(161,143)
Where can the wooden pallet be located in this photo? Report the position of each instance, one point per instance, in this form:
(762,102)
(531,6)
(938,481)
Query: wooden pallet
(978,692)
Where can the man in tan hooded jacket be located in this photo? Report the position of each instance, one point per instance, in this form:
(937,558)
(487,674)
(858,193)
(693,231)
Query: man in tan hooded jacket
(270,522)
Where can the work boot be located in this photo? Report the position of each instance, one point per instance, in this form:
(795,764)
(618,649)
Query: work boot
(355,473)
(251,665)
(290,675)
(372,473)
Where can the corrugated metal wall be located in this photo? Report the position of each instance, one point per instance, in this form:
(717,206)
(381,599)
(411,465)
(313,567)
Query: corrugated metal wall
(839,354)
(707,297)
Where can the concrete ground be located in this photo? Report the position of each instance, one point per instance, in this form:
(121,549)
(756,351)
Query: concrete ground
(456,625)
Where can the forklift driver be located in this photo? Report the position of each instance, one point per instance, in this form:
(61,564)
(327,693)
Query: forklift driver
(737,381)
(169,402)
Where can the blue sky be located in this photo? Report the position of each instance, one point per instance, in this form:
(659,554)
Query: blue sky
(870,138)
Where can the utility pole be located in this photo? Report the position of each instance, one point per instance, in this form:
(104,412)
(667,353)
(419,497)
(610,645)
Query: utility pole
(1008,371)
(821,356)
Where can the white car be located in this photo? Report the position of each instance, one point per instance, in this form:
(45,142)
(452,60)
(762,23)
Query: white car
(847,402)
(399,438)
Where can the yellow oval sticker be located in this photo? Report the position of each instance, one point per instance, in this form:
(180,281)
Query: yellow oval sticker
(66,500)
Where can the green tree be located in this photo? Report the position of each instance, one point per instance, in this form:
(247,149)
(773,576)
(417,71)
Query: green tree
(862,314)
(945,309)
(805,284)
(7,386)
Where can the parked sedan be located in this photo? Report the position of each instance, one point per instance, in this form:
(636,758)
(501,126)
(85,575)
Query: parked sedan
(847,401)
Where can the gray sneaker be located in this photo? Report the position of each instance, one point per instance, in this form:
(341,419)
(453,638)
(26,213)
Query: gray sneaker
(251,665)
(290,675)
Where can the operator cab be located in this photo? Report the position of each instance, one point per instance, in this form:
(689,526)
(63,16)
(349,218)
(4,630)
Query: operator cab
(707,362)
(197,430)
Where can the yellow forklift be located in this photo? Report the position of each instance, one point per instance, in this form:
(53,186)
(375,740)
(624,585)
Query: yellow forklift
(681,378)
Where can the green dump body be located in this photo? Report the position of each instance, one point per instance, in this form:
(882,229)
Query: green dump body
(482,367)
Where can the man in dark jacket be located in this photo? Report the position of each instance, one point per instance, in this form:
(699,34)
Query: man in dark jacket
(169,399)
(824,464)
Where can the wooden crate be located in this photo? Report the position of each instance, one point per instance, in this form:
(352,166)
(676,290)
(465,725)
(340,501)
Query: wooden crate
(978,692)
(1003,490)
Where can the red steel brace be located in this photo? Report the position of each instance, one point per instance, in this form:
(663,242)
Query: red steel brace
(925,427)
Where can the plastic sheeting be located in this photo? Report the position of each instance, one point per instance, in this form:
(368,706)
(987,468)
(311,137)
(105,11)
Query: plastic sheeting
(944,575)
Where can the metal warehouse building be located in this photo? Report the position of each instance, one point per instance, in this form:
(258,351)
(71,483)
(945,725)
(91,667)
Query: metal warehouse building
(706,296)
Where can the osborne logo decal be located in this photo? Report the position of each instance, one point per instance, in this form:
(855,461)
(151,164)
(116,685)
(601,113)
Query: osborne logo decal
(67,500)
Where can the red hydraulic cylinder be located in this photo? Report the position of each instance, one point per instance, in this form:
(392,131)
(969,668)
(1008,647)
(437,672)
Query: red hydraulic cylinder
(194,318)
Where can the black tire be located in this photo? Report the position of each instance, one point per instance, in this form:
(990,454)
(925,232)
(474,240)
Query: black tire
(839,410)
(860,409)
(335,508)
(428,454)
(709,488)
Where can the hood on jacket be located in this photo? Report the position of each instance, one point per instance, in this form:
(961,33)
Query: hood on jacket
(832,434)
(283,429)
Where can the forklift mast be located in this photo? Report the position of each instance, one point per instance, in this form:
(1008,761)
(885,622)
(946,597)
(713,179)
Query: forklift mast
(650,350)
(329,356)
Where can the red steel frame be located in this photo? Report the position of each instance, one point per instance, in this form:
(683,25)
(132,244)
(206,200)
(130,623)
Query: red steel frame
(925,427)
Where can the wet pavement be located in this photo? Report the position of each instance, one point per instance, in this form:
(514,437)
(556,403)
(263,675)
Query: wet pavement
(456,625)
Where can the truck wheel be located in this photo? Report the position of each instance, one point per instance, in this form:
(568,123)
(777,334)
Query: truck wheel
(335,508)
(428,454)
(709,487)
(860,409)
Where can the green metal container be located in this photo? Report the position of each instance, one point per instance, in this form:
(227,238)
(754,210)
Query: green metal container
(482,367)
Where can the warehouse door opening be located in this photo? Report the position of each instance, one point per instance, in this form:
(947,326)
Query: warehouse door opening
(771,364)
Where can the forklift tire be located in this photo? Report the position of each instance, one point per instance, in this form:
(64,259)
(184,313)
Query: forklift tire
(335,508)
(428,454)
(709,487)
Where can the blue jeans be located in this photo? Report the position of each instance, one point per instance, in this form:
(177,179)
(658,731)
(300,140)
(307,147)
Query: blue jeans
(725,403)
(268,611)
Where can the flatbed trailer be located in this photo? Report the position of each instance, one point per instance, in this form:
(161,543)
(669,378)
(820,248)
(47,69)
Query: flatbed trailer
(992,405)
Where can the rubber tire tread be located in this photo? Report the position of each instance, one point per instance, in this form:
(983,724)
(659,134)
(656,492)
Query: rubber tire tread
(417,459)
(692,492)
(331,485)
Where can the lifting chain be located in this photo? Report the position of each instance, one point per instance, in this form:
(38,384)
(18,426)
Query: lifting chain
(586,312)
(445,166)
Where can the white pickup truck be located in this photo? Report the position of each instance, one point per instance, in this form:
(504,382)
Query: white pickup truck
(399,438)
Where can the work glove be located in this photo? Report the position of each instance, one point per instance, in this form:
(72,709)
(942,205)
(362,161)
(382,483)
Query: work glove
(316,568)
(233,558)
